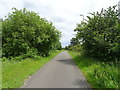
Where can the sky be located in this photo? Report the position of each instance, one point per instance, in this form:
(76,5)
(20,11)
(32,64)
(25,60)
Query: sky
(64,14)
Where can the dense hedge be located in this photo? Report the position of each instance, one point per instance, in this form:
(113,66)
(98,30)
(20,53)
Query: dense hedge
(100,34)
(24,31)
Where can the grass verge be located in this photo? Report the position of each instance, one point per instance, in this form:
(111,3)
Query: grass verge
(15,72)
(98,74)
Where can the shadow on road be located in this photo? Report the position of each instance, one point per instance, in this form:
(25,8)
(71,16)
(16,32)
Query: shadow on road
(67,61)
(81,84)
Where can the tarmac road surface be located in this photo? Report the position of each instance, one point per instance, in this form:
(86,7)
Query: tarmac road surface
(60,72)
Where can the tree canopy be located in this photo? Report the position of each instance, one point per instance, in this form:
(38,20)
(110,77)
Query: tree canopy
(25,30)
(100,34)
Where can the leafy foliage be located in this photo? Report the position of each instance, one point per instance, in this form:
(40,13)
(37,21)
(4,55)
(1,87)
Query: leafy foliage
(100,39)
(25,31)
(74,41)
(75,45)
(100,34)
(76,48)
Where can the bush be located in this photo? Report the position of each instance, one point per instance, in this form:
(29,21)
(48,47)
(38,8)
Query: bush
(33,53)
(4,59)
(17,58)
(100,34)
(24,30)
(76,48)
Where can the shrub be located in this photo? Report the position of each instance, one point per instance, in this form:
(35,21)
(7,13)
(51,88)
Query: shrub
(76,48)
(100,34)
(24,30)
(4,59)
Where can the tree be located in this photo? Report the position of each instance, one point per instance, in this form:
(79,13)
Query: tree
(74,41)
(25,30)
(100,35)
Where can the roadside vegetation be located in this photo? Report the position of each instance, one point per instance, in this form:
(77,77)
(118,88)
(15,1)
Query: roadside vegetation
(97,47)
(16,72)
(98,74)
(25,31)
(28,42)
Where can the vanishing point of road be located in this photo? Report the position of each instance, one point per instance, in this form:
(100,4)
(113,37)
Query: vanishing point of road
(60,72)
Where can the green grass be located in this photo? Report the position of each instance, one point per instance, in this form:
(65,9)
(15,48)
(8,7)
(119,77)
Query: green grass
(15,72)
(98,74)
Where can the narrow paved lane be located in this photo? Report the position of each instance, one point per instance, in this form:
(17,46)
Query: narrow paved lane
(60,72)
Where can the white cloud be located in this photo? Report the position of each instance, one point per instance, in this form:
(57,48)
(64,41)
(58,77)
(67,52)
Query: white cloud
(63,13)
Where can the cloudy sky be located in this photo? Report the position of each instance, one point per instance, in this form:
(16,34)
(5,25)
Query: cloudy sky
(65,14)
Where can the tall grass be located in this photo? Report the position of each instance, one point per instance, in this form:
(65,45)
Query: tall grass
(98,74)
